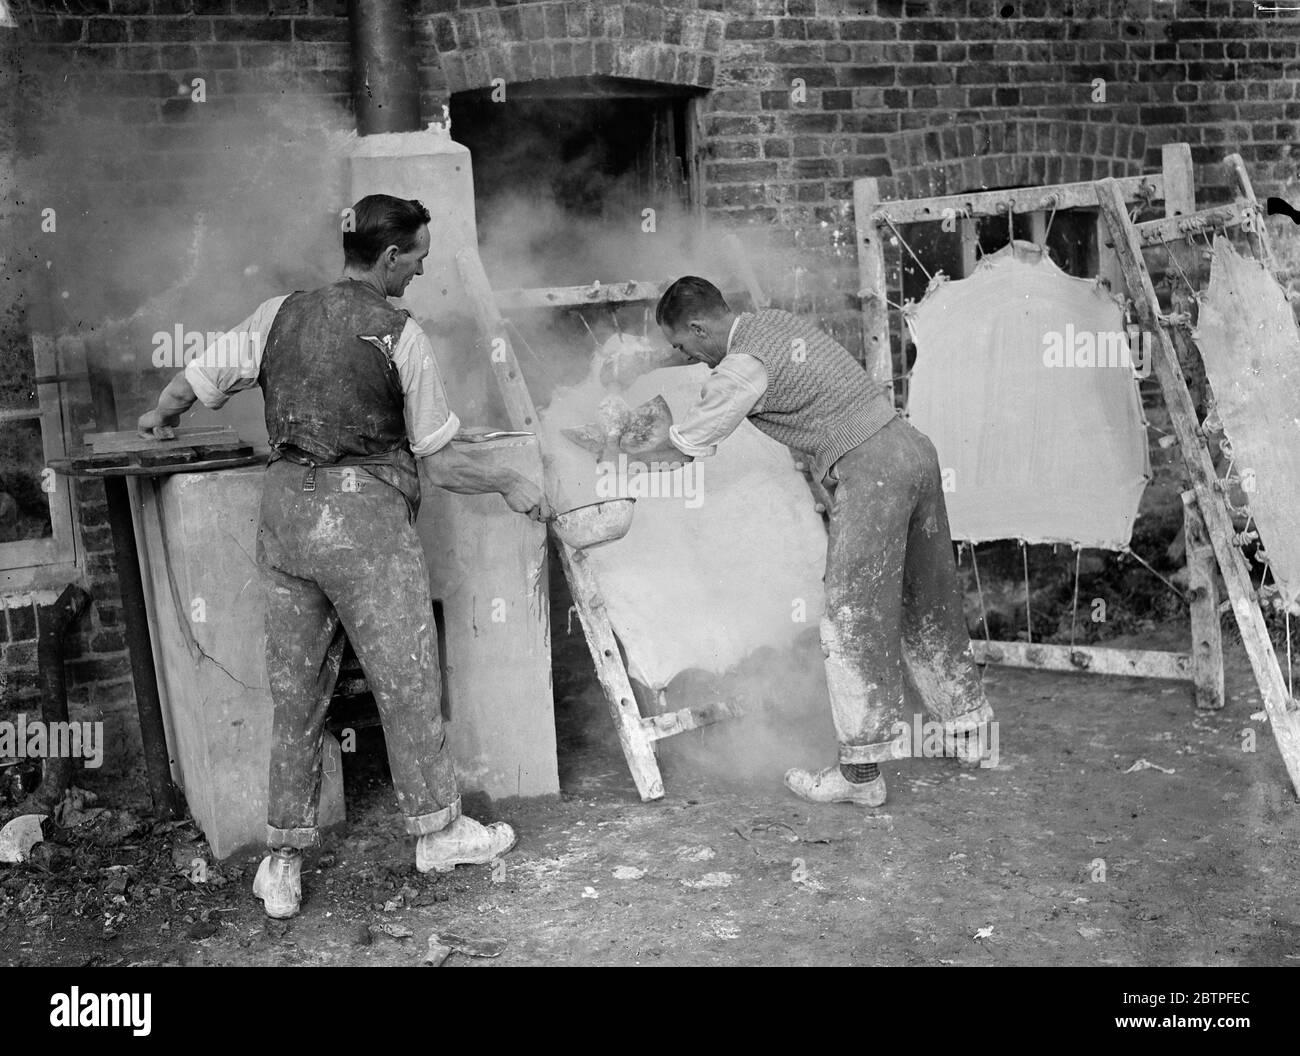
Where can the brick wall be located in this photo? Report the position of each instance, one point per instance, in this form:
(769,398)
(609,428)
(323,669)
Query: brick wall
(996,91)
(929,96)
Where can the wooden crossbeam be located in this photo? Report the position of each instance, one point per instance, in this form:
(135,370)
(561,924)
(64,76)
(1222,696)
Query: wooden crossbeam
(669,723)
(1170,340)
(1016,200)
(1095,660)
(1173,228)
(579,296)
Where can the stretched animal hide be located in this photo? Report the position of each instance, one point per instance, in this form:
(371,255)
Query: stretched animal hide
(1024,381)
(1247,335)
(727,555)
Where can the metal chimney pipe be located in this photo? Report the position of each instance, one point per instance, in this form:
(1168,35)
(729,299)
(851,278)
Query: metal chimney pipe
(385,72)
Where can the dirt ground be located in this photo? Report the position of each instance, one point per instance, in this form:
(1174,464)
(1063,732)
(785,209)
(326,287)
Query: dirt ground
(1056,856)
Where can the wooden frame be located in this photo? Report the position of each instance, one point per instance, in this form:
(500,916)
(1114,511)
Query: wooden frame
(1171,343)
(22,562)
(1202,665)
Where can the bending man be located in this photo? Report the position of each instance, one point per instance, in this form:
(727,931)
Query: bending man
(893,603)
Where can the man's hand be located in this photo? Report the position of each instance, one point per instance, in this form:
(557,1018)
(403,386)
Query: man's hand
(523,496)
(155,425)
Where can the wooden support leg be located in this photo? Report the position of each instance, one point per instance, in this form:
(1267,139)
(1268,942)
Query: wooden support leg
(632,736)
(1203,592)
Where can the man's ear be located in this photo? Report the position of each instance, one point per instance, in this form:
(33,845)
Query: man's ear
(699,330)
(389,255)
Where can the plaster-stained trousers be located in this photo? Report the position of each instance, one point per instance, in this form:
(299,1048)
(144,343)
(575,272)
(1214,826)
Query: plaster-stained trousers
(346,553)
(893,602)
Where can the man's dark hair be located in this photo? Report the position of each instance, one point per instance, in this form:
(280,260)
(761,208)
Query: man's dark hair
(690,297)
(380,221)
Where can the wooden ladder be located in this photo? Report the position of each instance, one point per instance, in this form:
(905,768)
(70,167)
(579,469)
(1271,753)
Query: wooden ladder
(637,734)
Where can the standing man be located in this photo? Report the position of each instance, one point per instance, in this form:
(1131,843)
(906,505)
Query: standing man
(893,603)
(353,399)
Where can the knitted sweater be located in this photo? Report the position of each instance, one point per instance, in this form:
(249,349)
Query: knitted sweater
(819,400)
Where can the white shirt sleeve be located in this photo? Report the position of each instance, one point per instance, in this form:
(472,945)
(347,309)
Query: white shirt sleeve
(430,423)
(232,362)
(732,392)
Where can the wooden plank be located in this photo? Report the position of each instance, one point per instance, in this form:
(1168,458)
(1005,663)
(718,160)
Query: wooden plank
(610,672)
(1260,240)
(129,441)
(579,296)
(501,354)
(1090,659)
(1180,181)
(1283,713)
(994,203)
(872,285)
(969,235)
(670,723)
(1203,595)
(1184,258)
(694,154)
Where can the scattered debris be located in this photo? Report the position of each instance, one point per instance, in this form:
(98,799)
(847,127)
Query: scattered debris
(1089,932)
(392,929)
(19,837)
(984,933)
(709,880)
(1146,764)
(724,929)
(75,808)
(590,892)
(203,929)
(436,953)
(469,945)
(628,872)
(695,854)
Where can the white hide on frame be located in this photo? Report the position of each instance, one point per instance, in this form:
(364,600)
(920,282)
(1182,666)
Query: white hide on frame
(1025,382)
(1246,332)
(727,560)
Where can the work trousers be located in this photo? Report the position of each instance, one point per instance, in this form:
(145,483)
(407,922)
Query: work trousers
(893,602)
(339,553)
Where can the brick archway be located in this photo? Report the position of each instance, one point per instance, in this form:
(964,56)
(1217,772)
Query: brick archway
(963,157)
(639,41)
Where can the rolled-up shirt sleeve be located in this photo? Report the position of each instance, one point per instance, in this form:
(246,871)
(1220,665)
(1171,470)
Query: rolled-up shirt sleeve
(430,423)
(233,361)
(730,393)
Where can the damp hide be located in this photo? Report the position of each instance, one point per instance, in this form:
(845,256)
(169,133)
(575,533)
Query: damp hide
(1025,380)
(725,559)
(1247,336)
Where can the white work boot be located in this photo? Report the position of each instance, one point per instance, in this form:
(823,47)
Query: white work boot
(279,883)
(463,842)
(831,786)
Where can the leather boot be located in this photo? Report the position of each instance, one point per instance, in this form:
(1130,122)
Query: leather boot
(279,882)
(830,786)
(463,842)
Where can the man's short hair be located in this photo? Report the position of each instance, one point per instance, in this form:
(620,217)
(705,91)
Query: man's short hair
(380,221)
(690,297)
